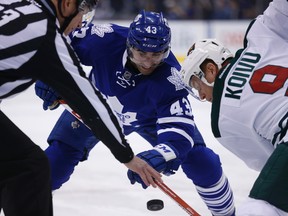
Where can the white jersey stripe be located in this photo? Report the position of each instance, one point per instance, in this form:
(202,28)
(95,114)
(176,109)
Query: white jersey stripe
(86,87)
(9,86)
(175,119)
(24,35)
(16,61)
(178,131)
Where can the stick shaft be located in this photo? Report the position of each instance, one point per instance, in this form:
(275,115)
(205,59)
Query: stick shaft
(68,108)
(177,199)
(162,186)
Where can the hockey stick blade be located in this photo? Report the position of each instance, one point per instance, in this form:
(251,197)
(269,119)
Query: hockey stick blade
(188,209)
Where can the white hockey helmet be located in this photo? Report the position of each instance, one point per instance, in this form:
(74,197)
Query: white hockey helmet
(198,53)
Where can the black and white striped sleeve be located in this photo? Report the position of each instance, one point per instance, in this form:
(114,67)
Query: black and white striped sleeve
(32,48)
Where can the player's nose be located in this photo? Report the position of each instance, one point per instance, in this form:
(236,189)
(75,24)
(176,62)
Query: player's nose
(202,95)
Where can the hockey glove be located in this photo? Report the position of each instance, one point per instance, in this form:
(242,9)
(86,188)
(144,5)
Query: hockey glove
(162,158)
(47,94)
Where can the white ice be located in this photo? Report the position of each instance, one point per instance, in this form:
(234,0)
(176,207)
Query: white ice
(99,186)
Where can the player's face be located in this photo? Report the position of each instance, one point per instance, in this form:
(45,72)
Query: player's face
(75,23)
(146,62)
(201,89)
(71,9)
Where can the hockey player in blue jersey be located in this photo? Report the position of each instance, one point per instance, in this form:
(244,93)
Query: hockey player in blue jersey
(134,67)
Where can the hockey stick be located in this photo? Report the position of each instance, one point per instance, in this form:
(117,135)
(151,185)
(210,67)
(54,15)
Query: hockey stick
(68,108)
(162,186)
(177,199)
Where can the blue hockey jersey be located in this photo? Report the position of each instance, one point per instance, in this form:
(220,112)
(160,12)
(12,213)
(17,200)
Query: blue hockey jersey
(158,100)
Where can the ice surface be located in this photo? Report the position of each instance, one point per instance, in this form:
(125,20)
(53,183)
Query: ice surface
(99,186)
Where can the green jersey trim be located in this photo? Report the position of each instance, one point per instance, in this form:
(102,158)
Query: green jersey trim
(219,86)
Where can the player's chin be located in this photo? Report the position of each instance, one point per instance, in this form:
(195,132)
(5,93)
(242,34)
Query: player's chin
(205,99)
(146,71)
(209,100)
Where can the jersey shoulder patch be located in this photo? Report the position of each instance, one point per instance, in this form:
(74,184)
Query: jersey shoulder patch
(101,29)
(175,79)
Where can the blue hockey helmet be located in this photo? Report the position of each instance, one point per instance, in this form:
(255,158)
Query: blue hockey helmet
(150,32)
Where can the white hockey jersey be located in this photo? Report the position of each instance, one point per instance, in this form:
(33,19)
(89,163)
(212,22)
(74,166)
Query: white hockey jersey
(250,98)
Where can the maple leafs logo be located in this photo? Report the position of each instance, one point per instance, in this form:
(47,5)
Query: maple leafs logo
(126,118)
(176,79)
(101,29)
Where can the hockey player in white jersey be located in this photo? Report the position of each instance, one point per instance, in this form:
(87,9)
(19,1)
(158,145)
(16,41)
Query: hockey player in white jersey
(249,95)
(134,70)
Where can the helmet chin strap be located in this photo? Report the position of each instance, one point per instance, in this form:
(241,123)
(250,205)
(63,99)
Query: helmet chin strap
(67,20)
(60,8)
(204,80)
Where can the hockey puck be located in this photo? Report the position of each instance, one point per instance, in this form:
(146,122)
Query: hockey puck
(155,205)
